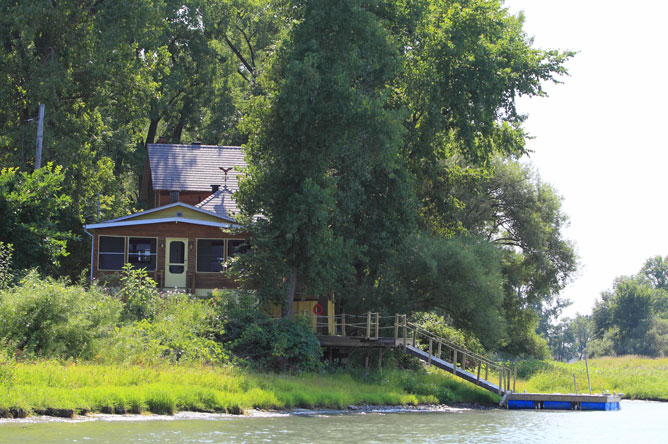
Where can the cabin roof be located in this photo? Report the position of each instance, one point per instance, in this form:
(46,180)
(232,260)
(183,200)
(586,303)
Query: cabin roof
(221,203)
(194,167)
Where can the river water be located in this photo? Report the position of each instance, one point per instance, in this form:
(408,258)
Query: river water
(637,422)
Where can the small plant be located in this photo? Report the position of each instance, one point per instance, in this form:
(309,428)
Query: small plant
(139,292)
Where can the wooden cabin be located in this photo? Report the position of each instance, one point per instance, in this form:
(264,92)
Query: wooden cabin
(190,230)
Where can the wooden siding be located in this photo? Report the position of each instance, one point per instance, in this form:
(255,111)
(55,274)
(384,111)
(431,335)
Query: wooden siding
(162,231)
(189,197)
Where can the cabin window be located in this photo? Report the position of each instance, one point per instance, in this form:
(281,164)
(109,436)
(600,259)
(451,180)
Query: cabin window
(111,253)
(237,246)
(142,252)
(210,255)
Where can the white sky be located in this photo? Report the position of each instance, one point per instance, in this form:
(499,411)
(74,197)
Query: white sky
(599,136)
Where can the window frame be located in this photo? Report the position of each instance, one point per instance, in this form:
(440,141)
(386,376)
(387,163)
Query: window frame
(125,247)
(223,239)
(127,251)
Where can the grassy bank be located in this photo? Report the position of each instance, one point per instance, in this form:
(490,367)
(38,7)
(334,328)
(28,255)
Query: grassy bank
(64,389)
(636,377)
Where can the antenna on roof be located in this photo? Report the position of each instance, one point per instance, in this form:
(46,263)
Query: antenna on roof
(226,170)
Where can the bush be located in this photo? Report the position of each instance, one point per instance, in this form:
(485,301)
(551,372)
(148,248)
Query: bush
(182,329)
(47,318)
(6,275)
(526,368)
(266,343)
(440,326)
(139,292)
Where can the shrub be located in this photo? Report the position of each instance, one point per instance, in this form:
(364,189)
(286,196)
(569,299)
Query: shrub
(182,329)
(6,276)
(440,326)
(47,318)
(139,292)
(266,343)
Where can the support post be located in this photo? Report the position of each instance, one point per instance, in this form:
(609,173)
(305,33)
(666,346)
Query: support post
(454,363)
(40,136)
(500,380)
(515,378)
(343,324)
(405,332)
(486,371)
(368,324)
(439,349)
(396,327)
(414,338)
(430,342)
(377,324)
(479,365)
(587,367)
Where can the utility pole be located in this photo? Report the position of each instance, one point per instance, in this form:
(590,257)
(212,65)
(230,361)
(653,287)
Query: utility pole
(40,133)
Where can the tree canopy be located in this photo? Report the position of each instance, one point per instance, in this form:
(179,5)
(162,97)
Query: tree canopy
(382,139)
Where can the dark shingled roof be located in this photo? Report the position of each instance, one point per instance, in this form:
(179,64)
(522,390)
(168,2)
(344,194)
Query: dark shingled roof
(194,167)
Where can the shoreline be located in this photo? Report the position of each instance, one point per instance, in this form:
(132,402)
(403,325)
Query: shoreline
(249,414)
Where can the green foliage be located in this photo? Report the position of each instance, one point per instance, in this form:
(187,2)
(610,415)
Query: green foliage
(34,208)
(441,327)
(571,338)
(319,142)
(139,292)
(180,330)
(47,318)
(364,120)
(6,275)
(458,277)
(624,317)
(268,344)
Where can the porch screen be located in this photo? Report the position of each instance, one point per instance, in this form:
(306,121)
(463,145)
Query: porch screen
(210,255)
(142,252)
(111,253)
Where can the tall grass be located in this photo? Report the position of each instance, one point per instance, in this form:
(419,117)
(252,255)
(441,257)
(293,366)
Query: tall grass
(80,388)
(637,377)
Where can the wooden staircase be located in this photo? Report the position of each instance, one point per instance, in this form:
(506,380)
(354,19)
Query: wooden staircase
(350,331)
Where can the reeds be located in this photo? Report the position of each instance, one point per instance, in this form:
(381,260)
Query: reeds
(637,377)
(69,389)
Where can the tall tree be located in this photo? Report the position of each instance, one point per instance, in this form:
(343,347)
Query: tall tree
(319,138)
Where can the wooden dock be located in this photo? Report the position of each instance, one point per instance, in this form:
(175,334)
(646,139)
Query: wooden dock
(558,401)
(345,332)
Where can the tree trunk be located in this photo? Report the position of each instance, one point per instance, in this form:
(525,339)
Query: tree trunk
(152,130)
(289,298)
